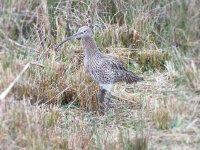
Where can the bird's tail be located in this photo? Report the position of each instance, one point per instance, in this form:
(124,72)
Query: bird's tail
(128,77)
(131,77)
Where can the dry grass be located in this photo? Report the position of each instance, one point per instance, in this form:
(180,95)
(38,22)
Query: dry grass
(54,103)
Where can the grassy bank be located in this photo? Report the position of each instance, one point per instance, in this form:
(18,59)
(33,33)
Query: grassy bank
(54,104)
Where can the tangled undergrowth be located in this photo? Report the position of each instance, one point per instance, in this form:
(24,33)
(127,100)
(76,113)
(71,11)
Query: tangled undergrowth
(54,104)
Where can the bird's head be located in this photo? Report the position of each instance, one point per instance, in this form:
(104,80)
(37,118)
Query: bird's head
(83,32)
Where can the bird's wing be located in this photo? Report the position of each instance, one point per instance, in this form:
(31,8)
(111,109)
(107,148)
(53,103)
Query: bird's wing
(118,71)
(113,63)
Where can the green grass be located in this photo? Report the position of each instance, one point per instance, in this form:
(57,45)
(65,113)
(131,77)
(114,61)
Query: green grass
(54,104)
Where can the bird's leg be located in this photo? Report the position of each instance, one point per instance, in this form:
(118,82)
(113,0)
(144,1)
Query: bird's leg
(108,102)
(101,94)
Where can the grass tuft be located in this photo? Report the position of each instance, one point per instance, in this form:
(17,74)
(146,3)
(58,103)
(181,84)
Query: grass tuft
(54,104)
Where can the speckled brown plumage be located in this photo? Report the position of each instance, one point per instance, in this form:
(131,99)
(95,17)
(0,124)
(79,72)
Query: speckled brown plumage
(105,70)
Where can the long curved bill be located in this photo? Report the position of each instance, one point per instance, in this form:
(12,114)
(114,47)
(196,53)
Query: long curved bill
(67,39)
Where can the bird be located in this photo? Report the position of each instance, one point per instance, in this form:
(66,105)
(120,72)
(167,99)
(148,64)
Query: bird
(106,70)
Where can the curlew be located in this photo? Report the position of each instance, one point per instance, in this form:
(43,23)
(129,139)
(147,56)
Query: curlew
(105,70)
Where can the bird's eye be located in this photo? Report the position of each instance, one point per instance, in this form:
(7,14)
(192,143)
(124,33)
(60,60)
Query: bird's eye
(85,31)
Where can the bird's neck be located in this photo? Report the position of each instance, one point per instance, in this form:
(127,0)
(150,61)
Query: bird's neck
(90,46)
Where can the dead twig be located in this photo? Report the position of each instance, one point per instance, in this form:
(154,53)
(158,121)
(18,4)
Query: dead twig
(37,64)
(5,93)
(8,89)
